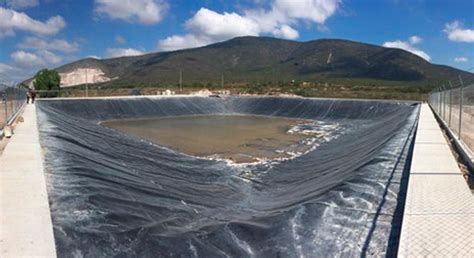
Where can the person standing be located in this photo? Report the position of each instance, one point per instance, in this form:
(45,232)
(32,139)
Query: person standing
(28,96)
(33,96)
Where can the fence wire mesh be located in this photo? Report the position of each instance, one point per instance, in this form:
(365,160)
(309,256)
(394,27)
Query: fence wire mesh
(11,101)
(455,106)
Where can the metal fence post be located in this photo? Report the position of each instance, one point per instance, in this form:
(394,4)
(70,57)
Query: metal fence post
(461,95)
(439,102)
(450,102)
(443,108)
(445,104)
(6,106)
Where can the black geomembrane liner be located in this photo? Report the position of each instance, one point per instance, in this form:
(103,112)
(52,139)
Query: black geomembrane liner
(116,195)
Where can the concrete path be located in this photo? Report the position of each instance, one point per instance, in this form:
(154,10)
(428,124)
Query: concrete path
(439,210)
(25,220)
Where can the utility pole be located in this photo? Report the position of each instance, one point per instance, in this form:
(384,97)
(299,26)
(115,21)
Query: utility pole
(87,84)
(180,81)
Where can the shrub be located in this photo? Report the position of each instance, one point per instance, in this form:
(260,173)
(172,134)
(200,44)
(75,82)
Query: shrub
(47,80)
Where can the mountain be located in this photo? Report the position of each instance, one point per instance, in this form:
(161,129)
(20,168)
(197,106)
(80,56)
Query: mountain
(261,59)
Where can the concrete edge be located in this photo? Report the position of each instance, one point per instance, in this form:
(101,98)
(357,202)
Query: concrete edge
(204,96)
(41,167)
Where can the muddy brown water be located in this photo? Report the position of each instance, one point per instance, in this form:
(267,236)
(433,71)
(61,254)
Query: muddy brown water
(235,137)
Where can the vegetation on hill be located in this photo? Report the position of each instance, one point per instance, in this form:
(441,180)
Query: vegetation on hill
(261,65)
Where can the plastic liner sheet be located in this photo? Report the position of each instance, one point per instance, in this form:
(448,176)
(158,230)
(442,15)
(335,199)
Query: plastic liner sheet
(116,195)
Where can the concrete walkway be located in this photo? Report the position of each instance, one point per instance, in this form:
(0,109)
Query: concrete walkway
(25,220)
(439,210)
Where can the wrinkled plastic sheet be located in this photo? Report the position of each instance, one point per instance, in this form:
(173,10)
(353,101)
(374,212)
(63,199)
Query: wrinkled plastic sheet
(113,194)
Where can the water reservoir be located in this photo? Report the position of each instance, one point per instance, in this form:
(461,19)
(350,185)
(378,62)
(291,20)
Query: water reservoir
(230,176)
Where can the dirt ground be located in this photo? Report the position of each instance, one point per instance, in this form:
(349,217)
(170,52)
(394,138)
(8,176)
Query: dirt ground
(238,138)
(3,140)
(467,126)
(2,114)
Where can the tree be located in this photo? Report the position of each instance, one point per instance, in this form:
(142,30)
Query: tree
(47,80)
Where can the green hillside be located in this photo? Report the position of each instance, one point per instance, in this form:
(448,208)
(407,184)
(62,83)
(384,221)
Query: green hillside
(257,60)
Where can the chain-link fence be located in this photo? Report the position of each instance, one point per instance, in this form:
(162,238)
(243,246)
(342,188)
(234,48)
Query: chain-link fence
(454,103)
(11,101)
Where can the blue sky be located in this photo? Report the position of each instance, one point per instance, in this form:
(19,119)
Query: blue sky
(47,33)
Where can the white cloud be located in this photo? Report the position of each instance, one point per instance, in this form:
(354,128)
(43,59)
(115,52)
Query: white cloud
(8,73)
(221,26)
(408,46)
(25,64)
(286,32)
(313,10)
(208,26)
(11,20)
(41,44)
(26,59)
(120,40)
(182,42)
(461,59)
(49,57)
(414,40)
(289,12)
(118,52)
(17,4)
(134,11)
(12,75)
(455,32)
(5,69)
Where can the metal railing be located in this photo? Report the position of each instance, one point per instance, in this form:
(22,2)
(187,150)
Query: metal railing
(454,104)
(11,101)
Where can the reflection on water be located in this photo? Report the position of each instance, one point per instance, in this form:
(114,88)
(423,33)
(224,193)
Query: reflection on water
(235,137)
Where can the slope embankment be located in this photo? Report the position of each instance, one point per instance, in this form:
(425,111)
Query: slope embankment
(113,194)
